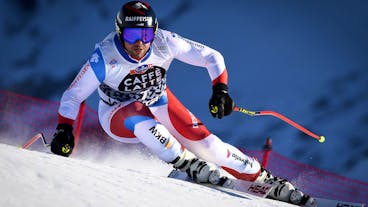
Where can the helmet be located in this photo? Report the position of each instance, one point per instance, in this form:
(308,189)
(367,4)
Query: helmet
(135,14)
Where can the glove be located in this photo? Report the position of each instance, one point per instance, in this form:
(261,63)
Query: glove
(220,102)
(63,141)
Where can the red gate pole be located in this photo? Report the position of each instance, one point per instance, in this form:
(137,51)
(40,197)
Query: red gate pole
(266,152)
(79,121)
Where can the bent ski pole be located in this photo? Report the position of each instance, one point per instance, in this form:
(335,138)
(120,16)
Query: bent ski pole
(282,117)
(34,139)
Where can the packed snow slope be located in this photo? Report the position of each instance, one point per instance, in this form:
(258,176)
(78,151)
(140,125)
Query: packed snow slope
(32,178)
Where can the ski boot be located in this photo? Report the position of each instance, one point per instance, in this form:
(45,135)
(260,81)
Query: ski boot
(284,191)
(199,170)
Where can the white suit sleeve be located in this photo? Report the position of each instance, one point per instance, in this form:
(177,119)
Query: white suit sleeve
(197,54)
(84,84)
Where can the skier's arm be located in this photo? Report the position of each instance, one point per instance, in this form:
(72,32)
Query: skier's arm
(197,54)
(194,53)
(85,83)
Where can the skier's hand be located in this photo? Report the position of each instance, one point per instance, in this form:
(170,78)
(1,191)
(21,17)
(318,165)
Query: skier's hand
(220,102)
(63,141)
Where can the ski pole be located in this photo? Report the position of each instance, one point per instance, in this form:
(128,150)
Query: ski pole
(282,117)
(34,139)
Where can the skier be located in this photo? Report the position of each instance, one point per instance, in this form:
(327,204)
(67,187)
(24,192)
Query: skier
(128,68)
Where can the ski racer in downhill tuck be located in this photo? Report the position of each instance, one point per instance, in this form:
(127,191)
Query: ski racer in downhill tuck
(128,68)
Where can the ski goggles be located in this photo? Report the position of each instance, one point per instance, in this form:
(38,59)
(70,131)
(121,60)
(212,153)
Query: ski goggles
(132,35)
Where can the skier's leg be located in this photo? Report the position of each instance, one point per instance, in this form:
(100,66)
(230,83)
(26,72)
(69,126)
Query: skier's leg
(111,119)
(133,122)
(191,132)
(195,136)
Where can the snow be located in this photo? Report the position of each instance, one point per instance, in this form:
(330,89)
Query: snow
(32,178)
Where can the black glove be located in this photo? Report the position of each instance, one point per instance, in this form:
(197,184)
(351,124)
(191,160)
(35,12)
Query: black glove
(63,141)
(220,103)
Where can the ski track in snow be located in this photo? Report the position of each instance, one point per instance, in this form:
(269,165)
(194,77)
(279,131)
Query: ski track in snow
(32,178)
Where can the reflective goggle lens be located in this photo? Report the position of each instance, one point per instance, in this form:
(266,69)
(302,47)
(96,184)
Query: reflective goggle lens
(132,35)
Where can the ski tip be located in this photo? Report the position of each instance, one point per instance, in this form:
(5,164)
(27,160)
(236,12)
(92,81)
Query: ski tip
(322,139)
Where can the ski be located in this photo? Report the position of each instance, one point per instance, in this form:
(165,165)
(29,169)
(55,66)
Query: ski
(242,188)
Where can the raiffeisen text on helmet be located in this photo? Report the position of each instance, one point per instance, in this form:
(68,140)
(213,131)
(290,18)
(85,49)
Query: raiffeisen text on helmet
(139,19)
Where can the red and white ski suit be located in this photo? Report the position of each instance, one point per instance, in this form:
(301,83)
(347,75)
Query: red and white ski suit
(137,106)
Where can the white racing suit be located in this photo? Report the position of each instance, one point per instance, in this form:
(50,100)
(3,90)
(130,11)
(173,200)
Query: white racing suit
(136,105)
